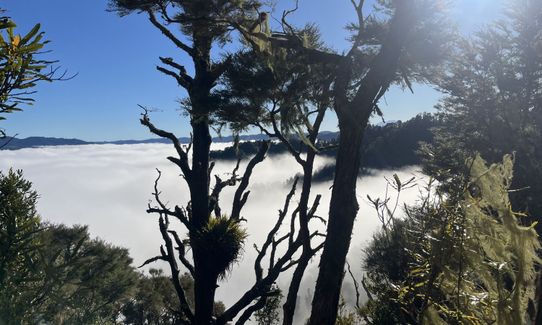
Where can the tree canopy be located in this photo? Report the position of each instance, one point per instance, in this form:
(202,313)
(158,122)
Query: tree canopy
(55,273)
(492,104)
(20,66)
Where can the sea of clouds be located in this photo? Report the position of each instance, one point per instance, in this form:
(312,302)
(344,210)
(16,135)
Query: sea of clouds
(108,188)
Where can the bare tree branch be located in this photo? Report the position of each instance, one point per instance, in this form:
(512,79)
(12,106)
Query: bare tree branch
(240,195)
(168,254)
(182,77)
(361,21)
(286,27)
(182,162)
(250,310)
(263,283)
(285,141)
(356,284)
(3,136)
(255,307)
(271,235)
(315,205)
(181,68)
(185,307)
(219,186)
(152,18)
(181,247)
(153,259)
(177,213)
(180,80)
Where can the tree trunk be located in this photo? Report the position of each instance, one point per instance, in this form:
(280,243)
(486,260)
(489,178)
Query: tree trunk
(204,279)
(353,117)
(342,213)
(204,293)
(199,180)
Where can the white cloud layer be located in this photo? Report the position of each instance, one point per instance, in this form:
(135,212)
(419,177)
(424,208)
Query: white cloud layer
(108,188)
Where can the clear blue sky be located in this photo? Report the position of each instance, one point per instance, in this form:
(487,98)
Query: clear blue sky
(115,60)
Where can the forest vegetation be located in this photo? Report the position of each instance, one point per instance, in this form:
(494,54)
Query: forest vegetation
(468,252)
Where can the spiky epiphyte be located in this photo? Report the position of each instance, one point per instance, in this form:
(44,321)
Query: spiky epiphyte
(223,240)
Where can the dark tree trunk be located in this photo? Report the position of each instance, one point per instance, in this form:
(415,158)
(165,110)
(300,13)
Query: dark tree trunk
(205,278)
(353,117)
(342,213)
(199,181)
(204,296)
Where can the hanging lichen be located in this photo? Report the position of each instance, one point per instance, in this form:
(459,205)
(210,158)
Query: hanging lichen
(506,251)
(258,33)
(471,260)
(276,44)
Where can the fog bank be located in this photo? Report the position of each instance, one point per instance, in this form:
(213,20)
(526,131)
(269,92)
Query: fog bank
(108,187)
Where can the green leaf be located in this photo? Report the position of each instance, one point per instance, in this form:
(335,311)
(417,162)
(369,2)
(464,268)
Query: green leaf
(31,34)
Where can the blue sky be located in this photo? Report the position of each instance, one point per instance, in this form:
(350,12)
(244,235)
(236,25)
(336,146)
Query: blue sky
(115,61)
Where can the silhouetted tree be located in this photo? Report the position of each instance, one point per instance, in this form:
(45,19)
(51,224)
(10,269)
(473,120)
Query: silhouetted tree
(398,42)
(290,100)
(215,239)
(383,52)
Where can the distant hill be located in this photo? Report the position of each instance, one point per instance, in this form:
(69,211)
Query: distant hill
(34,142)
(385,146)
(390,146)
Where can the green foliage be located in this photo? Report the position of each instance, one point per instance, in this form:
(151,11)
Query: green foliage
(20,70)
(468,260)
(208,18)
(86,280)
(155,300)
(51,273)
(345,316)
(270,313)
(493,104)
(274,90)
(19,229)
(386,262)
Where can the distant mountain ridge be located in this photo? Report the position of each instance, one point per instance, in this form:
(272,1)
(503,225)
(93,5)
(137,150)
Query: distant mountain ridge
(34,142)
(385,146)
